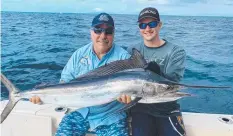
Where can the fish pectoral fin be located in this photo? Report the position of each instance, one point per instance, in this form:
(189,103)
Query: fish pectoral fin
(131,104)
(127,106)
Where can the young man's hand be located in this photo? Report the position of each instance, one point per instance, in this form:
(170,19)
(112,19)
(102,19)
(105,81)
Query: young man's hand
(124,99)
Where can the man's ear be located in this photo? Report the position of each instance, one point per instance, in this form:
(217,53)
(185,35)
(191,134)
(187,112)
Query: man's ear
(160,24)
(91,33)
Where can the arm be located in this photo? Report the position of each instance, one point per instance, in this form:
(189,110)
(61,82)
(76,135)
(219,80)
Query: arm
(68,71)
(176,65)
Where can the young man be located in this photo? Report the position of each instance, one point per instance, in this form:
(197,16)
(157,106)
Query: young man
(161,119)
(99,52)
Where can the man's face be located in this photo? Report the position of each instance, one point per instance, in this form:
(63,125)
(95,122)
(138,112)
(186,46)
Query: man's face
(102,37)
(147,32)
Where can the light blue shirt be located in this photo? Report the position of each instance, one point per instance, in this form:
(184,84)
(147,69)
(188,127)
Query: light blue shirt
(83,60)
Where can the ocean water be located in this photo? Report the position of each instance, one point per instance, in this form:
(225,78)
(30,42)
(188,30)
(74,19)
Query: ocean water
(36,46)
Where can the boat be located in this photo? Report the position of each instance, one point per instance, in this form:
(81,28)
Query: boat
(28,119)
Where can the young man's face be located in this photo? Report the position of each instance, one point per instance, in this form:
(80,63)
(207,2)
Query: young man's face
(147,32)
(102,41)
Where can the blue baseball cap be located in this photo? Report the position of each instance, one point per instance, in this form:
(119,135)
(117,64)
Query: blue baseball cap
(103,18)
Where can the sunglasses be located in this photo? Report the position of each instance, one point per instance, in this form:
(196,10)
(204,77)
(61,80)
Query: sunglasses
(152,24)
(108,31)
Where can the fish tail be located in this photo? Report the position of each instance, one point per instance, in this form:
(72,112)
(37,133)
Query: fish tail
(12,100)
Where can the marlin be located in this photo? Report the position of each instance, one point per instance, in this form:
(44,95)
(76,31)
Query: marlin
(134,77)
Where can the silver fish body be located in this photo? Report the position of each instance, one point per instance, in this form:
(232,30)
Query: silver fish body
(100,90)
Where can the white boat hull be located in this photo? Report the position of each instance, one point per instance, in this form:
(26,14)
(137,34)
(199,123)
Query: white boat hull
(28,119)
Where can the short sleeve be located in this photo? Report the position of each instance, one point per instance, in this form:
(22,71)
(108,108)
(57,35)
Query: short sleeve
(68,71)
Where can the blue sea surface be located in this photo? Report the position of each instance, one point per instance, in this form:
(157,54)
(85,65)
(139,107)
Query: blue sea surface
(36,46)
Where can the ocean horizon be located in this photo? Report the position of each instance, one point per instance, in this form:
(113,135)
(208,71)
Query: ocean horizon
(94,13)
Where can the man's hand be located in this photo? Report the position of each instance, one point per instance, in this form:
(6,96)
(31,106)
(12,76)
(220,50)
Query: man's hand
(35,100)
(124,99)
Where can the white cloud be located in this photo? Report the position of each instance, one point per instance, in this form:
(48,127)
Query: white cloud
(215,2)
(160,2)
(98,9)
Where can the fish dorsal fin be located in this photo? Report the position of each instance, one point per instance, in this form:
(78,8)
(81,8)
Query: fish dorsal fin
(138,59)
(135,61)
(154,67)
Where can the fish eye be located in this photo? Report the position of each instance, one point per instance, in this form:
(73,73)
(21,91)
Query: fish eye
(170,87)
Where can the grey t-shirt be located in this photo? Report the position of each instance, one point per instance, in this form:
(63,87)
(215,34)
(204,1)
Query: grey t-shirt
(171,59)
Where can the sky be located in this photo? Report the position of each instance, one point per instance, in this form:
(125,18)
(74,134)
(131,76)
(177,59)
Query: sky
(165,7)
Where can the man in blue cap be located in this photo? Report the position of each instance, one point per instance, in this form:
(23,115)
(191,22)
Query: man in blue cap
(159,119)
(99,52)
